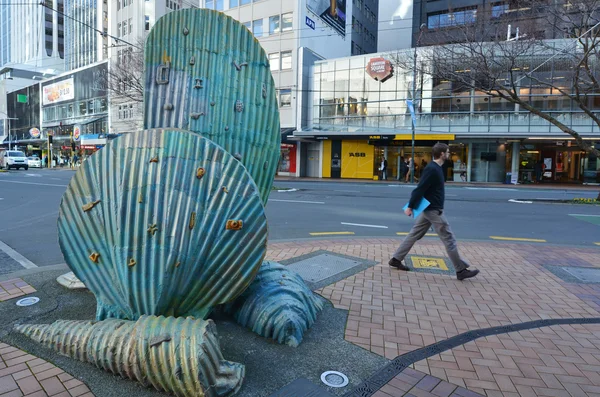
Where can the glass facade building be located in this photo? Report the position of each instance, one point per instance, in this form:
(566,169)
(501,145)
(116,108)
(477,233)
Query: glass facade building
(489,137)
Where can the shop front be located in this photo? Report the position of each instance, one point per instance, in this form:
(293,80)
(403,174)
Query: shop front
(360,157)
(74,105)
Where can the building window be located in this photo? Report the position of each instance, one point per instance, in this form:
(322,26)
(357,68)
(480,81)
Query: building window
(285,96)
(82,108)
(248,25)
(274,61)
(274,24)
(244,2)
(234,3)
(131,111)
(119,29)
(220,5)
(462,16)
(130,25)
(499,9)
(119,4)
(210,4)
(286,60)
(124,28)
(257,28)
(147,22)
(286,22)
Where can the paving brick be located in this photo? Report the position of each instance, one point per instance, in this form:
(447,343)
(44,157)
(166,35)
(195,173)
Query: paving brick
(29,385)
(52,386)
(79,390)
(7,383)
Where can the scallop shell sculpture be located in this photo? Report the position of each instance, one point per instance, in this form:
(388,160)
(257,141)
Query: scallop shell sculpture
(205,72)
(162,222)
(277,305)
(177,355)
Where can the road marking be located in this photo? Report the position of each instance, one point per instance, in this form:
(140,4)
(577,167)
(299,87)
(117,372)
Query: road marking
(26,263)
(36,175)
(531,240)
(328,233)
(286,190)
(520,201)
(594,216)
(492,188)
(298,201)
(360,224)
(33,183)
(597,243)
(406,234)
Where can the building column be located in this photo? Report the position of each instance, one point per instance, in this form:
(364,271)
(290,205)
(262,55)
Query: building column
(516,157)
(469,160)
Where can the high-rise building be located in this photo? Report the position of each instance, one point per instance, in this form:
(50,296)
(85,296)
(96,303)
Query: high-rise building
(31,42)
(294,35)
(84,41)
(443,22)
(395,25)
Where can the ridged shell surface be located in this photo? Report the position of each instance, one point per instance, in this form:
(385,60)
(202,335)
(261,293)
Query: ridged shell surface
(176,355)
(277,305)
(145,225)
(205,72)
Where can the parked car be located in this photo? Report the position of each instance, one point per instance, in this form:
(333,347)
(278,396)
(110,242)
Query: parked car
(34,162)
(14,159)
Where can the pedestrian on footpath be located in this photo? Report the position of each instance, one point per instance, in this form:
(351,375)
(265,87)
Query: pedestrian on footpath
(431,187)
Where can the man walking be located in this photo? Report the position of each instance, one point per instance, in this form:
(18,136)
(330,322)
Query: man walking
(431,187)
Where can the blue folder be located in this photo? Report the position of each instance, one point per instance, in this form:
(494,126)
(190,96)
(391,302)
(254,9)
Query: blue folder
(420,208)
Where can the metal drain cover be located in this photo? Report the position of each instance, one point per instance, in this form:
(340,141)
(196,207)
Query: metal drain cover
(334,379)
(32,300)
(585,274)
(322,266)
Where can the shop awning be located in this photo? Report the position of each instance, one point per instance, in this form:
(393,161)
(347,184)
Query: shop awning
(285,132)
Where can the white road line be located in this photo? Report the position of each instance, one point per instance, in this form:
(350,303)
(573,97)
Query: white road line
(491,188)
(287,190)
(36,175)
(594,216)
(298,201)
(360,224)
(520,201)
(26,263)
(33,183)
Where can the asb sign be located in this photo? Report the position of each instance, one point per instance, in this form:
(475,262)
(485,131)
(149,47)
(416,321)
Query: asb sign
(380,69)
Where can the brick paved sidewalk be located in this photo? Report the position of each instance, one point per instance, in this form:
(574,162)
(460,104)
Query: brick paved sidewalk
(392,313)
(22,374)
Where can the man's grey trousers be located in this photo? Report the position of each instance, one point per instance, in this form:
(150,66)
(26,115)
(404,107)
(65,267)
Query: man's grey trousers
(439,222)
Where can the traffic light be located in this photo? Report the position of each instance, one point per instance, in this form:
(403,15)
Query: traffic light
(50,139)
(73,146)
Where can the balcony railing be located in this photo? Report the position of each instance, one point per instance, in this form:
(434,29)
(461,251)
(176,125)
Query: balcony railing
(463,124)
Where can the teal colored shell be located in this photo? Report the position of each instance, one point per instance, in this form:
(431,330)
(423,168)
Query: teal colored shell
(205,72)
(144,225)
(277,305)
(181,356)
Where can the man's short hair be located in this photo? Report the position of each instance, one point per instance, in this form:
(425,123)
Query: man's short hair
(439,149)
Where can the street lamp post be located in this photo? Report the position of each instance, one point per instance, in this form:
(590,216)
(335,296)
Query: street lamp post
(414,94)
(9,138)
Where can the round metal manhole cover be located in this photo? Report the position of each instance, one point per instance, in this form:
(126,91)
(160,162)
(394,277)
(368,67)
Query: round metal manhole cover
(334,379)
(28,301)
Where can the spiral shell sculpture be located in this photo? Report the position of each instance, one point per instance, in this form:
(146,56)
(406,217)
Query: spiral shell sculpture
(277,305)
(147,235)
(176,355)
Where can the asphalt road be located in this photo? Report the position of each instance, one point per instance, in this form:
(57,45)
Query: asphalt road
(29,202)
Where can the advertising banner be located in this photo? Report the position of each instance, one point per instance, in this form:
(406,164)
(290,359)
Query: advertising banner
(58,92)
(331,12)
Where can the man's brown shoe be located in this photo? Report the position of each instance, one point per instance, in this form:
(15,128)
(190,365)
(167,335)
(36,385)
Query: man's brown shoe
(465,274)
(396,264)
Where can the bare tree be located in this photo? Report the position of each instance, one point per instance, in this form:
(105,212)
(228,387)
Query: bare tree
(479,57)
(125,78)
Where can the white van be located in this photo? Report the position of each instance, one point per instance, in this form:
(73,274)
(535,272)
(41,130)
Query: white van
(14,159)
